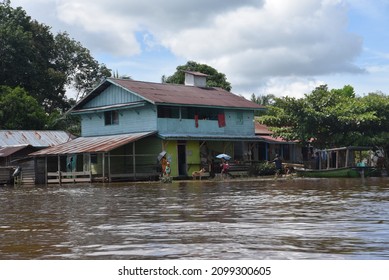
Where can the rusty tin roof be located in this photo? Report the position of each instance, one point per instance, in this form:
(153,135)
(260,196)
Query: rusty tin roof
(35,138)
(93,144)
(7,151)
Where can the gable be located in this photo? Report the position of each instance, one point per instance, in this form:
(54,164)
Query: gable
(112,95)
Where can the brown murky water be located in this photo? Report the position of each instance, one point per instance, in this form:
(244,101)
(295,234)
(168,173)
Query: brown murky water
(283,219)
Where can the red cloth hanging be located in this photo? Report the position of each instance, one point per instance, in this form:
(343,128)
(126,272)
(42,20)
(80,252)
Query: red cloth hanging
(221,120)
(196,120)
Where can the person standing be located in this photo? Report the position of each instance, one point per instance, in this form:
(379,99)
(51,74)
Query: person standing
(224,168)
(278,163)
(167,170)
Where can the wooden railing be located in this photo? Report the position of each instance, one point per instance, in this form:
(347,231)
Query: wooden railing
(60,177)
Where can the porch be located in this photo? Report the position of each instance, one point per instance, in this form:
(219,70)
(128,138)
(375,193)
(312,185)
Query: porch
(127,157)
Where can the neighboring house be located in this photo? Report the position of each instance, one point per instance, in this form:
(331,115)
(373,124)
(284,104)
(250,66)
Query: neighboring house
(16,145)
(125,124)
(289,151)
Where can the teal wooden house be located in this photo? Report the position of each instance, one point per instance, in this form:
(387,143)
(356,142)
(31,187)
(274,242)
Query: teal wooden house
(126,124)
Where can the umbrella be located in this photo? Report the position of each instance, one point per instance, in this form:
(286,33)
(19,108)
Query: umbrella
(224,156)
(161,155)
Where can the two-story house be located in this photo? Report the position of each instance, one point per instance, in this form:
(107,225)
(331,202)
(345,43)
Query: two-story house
(125,124)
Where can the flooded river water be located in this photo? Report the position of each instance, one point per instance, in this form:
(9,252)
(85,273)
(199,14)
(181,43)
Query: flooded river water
(268,219)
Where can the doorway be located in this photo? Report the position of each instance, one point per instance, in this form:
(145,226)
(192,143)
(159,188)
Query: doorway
(181,150)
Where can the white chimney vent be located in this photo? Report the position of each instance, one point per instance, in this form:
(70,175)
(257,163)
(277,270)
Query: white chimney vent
(195,79)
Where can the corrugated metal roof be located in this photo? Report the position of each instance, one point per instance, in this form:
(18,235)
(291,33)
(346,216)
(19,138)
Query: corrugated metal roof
(174,94)
(272,139)
(262,129)
(263,132)
(35,138)
(7,151)
(93,144)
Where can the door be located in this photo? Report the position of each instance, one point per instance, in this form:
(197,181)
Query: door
(181,150)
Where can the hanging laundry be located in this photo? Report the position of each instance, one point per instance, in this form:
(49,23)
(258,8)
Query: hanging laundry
(221,120)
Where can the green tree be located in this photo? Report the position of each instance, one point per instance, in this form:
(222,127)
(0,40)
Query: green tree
(325,118)
(19,110)
(264,100)
(376,132)
(43,64)
(82,71)
(215,78)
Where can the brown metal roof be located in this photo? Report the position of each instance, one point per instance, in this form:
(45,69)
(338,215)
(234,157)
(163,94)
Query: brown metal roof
(7,151)
(263,132)
(173,94)
(262,129)
(92,144)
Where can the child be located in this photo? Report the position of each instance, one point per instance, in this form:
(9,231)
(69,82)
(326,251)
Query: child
(225,166)
(167,170)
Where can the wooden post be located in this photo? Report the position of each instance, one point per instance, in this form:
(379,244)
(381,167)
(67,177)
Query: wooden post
(337,159)
(46,171)
(103,155)
(133,160)
(109,167)
(90,167)
(319,160)
(59,170)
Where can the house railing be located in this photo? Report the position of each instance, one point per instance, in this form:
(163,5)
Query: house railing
(60,177)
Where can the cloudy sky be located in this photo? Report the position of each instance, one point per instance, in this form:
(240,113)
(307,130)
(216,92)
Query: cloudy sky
(263,46)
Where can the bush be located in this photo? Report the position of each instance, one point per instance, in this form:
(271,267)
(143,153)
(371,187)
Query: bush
(262,169)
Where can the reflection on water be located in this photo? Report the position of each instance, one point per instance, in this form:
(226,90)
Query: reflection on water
(283,219)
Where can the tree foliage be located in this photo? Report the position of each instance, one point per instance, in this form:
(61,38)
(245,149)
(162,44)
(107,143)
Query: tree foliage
(331,118)
(264,100)
(215,78)
(82,71)
(43,64)
(19,110)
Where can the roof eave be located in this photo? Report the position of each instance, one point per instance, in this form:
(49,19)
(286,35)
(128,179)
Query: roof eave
(208,106)
(108,108)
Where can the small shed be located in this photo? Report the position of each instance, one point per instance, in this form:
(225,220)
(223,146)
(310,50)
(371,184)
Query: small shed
(16,145)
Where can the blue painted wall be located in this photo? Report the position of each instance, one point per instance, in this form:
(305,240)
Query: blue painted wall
(239,123)
(141,119)
(111,96)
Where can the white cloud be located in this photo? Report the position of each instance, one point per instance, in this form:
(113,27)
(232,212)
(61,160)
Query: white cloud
(254,42)
(287,86)
(280,39)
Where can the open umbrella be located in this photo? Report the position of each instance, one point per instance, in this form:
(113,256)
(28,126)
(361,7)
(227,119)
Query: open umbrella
(161,155)
(224,156)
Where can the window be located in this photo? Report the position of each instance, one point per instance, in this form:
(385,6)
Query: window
(190,113)
(111,117)
(239,118)
(168,112)
(201,113)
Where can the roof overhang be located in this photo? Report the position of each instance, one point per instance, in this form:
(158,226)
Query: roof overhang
(209,106)
(275,140)
(95,144)
(208,137)
(10,150)
(108,108)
